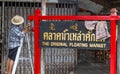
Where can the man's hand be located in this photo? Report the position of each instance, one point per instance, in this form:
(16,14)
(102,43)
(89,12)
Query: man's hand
(27,28)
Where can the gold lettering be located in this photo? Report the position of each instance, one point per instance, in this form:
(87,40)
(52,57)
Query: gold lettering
(74,27)
(72,44)
(63,36)
(88,36)
(58,36)
(45,43)
(55,36)
(52,26)
(45,36)
(92,37)
(50,36)
(97,45)
(74,36)
(58,44)
(68,36)
(79,36)
(83,36)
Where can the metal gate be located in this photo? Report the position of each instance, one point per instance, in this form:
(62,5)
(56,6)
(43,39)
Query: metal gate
(59,60)
(10,8)
(7,11)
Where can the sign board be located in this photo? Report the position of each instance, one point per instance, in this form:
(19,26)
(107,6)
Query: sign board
(70,34)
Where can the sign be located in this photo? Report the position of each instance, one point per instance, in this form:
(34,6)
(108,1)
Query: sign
(70,34)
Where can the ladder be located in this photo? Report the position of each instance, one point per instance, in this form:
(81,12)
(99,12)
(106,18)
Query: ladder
(23,58)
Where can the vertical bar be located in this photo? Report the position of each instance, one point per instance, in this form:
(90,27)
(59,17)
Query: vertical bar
(54,10)
(50,10)
(113,47)
(27,52)
(27,8)
(64,8)
(71,8)
(47,9)
(37,49)
(77,7)
(19,8)
(3,7)
(11,9)
(31,35)
(15,7)
(7,20)
(59,8)
(43,7)
(68,9)
(118,50)
(22,68)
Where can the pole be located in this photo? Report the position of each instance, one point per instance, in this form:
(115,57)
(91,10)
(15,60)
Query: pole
(37,49)
(42,57)
(113,42)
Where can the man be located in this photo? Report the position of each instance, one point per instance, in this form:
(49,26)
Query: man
(14,37)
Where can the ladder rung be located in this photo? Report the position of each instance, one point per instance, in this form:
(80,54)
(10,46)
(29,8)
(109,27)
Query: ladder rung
(24,58)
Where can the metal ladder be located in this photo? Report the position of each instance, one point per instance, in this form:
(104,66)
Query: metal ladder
(23,58)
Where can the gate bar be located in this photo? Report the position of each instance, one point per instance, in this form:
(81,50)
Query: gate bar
(37,49)
(113,49)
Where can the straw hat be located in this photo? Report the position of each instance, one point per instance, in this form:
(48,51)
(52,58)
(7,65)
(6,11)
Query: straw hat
(17,20)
